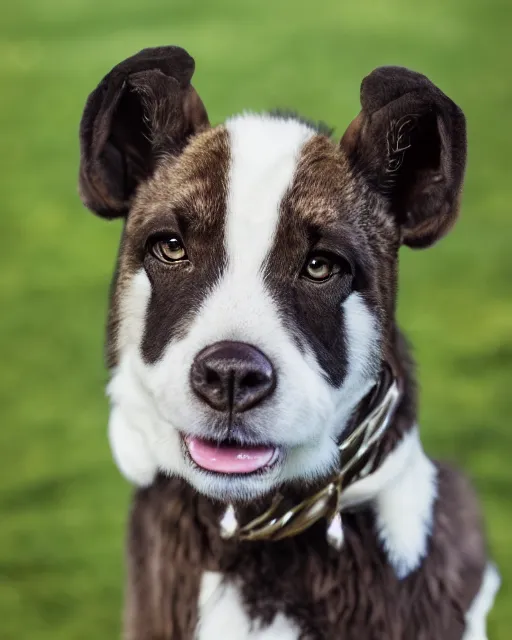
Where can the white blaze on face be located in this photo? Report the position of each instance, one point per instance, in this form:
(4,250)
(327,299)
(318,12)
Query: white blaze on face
(264,155)
(306,413)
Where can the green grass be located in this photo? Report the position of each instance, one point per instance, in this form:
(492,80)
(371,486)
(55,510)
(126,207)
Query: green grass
(62,503)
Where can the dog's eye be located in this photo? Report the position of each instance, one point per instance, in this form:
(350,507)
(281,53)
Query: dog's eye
(169,249)
(320,268)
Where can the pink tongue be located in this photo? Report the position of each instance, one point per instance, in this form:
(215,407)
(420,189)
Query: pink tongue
(228,459)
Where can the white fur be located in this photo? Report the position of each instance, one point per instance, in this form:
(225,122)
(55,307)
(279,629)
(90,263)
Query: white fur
(390,470)
(222,615)
(405,508)
(264,154)
(132,311)
(476,616)
(131,414)
(306,414)
(130,448)
(361,344)
(403,492)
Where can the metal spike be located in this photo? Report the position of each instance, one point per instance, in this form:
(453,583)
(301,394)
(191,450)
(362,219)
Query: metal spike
(335,532)
(229,523)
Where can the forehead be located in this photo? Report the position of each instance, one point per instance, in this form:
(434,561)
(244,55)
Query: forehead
(251,167)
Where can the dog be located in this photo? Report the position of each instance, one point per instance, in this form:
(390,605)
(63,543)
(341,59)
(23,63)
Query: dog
(262,396)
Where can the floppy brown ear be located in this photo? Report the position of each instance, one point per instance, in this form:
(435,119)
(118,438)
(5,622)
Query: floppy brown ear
(409,143)
(144,107)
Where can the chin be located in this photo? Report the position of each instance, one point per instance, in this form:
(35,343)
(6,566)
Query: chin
(232,488)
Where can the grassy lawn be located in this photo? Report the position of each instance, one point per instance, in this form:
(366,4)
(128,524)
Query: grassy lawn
(62,503)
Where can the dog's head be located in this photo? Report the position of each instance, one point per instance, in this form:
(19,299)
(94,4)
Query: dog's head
(254,293)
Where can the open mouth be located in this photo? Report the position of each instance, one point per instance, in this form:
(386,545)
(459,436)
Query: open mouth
(230,456)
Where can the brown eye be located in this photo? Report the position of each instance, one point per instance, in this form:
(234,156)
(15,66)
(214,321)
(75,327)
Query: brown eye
(319,268)
(169,249)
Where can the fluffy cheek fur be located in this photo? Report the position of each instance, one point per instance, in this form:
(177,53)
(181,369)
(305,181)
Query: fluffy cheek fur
(151,404)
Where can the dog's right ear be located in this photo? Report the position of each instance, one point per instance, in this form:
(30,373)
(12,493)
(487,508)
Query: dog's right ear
(409,143)
(144,107)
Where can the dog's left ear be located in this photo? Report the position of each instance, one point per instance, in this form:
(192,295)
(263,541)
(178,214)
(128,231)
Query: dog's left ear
(143,109)
(409,143)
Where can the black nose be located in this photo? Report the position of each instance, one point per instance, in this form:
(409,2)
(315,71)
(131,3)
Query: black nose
(232,376)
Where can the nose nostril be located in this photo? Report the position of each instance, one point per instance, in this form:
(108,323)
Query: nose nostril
(212,377)
(254,379)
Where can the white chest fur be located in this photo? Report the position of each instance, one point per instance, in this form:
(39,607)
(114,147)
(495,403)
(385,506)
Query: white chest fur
(222,615)
(476,617)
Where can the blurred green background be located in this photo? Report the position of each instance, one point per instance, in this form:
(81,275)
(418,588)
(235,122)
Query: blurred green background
(63,505)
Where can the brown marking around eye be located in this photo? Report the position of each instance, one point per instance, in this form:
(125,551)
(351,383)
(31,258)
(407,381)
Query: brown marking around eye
(328,203)
(194,185)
